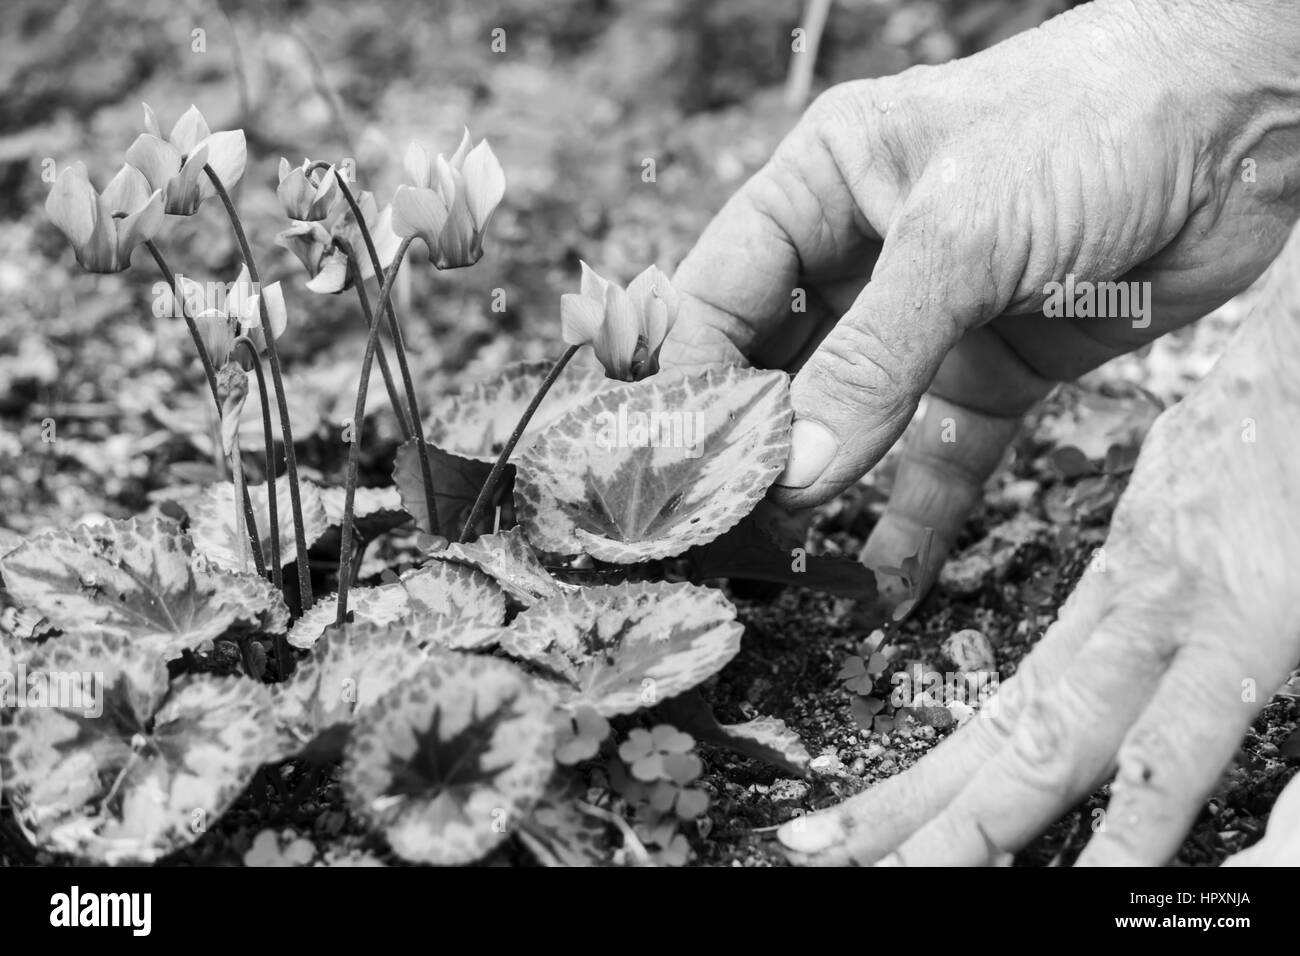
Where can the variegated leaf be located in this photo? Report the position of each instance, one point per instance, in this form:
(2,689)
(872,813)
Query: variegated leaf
(139,580)
(450,760)
(218,537)
(351,668)
(468,607)
(143,770)
(649,469)
(477,422)
(624,647)
(374,510)
(509,560)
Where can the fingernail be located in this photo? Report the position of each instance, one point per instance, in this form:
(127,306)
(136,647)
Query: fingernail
(812,446)
(811,834)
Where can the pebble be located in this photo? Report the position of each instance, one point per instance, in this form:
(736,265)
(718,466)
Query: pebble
(788,791)
(970,650)
(827,765)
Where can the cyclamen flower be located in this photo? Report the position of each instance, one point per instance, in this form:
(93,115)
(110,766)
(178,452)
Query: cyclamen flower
(450,202)
(224,313)
(175,165)
(104,228)
(318,245)
(305,197)
(625,328)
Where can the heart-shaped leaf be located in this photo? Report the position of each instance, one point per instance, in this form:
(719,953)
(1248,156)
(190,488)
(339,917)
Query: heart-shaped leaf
(350,669)
(623,647)
(374,510)
(559,833)
(218,537)
(133,769)
(449,604)
(478,421)
(456,484)
(508,559)
(139,580)
(649,469)
(449,761)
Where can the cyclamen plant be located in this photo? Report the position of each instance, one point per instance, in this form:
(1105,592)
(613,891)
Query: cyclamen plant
(532,654)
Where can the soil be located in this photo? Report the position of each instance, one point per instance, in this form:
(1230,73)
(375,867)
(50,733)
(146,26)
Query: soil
(587,90)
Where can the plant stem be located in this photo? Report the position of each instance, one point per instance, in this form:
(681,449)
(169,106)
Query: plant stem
(354,451)
(272,505)
(354,271)
(399,346)
(178,293)
(286,430)
(241,489)
(494,477)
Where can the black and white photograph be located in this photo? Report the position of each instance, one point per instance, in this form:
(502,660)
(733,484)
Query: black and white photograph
(650,434)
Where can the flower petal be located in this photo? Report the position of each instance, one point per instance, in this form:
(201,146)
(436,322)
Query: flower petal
(227,155)
(457,160)
(127,191)
(71,205)
(139,226)
(184,192)
(189,131)
(419,212)
(485,184)
(386,241)
(157,159)
(273,297)
(580,319)
(593,285)
(306,240)
(218,337)
(617,340)
(151,122)
(333,274)
(416,164)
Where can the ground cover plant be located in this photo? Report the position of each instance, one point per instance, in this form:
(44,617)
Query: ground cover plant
(367,570)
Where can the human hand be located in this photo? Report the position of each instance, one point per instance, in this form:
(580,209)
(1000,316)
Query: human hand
(1145,143)
(1156,664)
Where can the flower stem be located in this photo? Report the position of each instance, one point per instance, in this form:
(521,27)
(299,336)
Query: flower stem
(354,450)
(286,430)
(178,293)
(399,346)
(494,477)
(354,270)
(272,506)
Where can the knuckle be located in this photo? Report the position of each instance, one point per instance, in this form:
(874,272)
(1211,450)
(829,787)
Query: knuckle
(1044,744)
(854,365)
(1145,758)
(839,106)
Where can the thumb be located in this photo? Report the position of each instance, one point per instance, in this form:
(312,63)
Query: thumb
(860,388)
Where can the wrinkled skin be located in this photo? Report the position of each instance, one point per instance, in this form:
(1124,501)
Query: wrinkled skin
(1153,142)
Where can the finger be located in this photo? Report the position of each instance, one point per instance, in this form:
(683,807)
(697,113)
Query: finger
(866,827)
(948,456)
(858,391)
(735,284)
(1172,759)
(1063,746)
(1281,843)
(796,215)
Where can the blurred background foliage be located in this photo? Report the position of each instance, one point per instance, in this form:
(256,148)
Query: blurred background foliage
(584,93)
